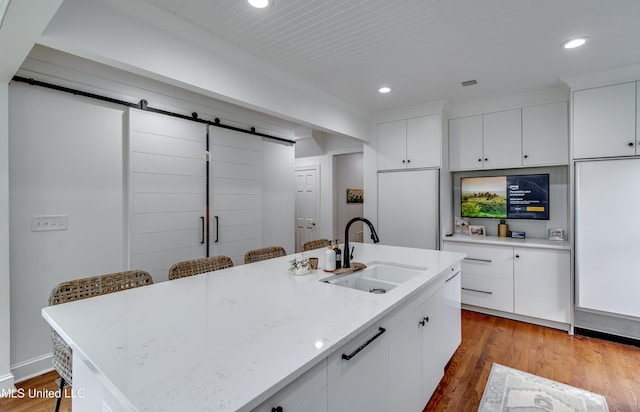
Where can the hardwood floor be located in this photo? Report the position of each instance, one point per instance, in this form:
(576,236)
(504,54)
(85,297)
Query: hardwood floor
(604,367)
(608,368)
(42,401)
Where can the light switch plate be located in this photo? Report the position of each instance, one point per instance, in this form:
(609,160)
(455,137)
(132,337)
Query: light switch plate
(49,222)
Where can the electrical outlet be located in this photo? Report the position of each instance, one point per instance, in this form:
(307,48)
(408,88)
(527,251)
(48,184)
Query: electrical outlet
(49,222)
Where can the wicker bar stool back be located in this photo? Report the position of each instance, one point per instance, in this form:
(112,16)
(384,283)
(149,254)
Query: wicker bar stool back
(197,266)
(270,252)
(315,244)
(82,289)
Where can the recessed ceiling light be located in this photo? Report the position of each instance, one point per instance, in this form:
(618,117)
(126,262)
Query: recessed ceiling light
(573,43)
(260,4)
(384,89)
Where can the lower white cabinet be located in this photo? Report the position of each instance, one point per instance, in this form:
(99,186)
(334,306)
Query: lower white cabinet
(394,365)
(308,393)
(542,286)
(414,346)
(359,372)
(452,333)
(531,279)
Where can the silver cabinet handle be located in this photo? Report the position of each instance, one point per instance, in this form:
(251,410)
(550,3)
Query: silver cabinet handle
(479,260)
(457,273)
(479,291)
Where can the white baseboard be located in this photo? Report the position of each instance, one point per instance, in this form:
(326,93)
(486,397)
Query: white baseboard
(32,367)
(6,384)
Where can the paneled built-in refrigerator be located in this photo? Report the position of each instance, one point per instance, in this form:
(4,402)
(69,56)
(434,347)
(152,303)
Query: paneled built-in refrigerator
(607,246)
(408,213)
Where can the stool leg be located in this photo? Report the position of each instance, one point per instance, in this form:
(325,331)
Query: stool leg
(59,396)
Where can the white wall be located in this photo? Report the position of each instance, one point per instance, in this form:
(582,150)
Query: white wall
(348,175)
(278,195)
(6,377)
(66,158)
(167,49)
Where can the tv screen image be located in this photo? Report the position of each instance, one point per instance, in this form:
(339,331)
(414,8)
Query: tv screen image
(484,197)
(505,197)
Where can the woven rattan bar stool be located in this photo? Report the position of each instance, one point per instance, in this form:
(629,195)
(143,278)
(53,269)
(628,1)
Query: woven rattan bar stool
(315,244)
(82,289)
(197,266)
(257,255)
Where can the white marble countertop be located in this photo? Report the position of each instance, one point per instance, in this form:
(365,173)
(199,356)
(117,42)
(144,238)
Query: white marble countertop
(508,241)
(229,339)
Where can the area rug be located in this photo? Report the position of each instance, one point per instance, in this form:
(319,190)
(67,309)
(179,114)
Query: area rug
(511,390)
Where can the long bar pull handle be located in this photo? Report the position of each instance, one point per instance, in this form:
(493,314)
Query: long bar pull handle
(217,229)
(457,273)
(478,260)
(381,330)
(202,222)
(479,291)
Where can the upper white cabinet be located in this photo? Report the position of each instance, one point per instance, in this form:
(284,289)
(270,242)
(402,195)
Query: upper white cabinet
(545,134)
(604,121)
(502,139)
(531,136)
(465,143)
(410,143)
(488,141)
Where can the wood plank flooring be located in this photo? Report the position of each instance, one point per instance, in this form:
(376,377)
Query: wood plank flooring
(607,368)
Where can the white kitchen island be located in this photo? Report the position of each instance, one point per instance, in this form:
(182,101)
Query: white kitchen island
(233,339)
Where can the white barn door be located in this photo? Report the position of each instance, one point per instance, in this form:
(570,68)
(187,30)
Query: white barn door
(167,172)
(236,193)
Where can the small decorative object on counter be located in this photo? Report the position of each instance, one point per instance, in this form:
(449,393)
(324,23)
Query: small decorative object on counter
(300,265)
(503,229)
(330,259)
(518,235)
(556,234)
(477,231)
(313,261)
(336,249)
(462,225)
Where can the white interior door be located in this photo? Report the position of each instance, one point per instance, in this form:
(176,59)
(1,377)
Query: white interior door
(236,193)
(167,185)
(307,207)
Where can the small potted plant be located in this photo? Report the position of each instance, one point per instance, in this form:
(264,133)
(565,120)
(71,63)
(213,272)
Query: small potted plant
(300,265)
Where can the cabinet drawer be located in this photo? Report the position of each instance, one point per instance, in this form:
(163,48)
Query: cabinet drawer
(488,292)
(310,388)
(485,260)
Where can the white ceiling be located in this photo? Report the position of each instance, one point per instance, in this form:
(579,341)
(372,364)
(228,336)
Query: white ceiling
(424,48)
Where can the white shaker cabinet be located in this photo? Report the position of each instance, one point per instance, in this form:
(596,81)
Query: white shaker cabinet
(488,141)
(545,134)
(604,121)
(542,286)
(451,314)
(410,143)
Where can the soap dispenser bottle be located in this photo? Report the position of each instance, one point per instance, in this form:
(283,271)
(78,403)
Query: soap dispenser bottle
(330,259)
(338,252)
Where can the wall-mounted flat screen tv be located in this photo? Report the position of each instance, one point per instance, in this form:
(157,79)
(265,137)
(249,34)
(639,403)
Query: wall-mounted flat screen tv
(505,197)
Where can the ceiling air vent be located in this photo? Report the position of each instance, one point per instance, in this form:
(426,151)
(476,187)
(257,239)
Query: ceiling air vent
(469,83)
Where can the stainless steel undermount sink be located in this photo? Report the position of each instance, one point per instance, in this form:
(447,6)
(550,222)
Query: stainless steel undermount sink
(377,277)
